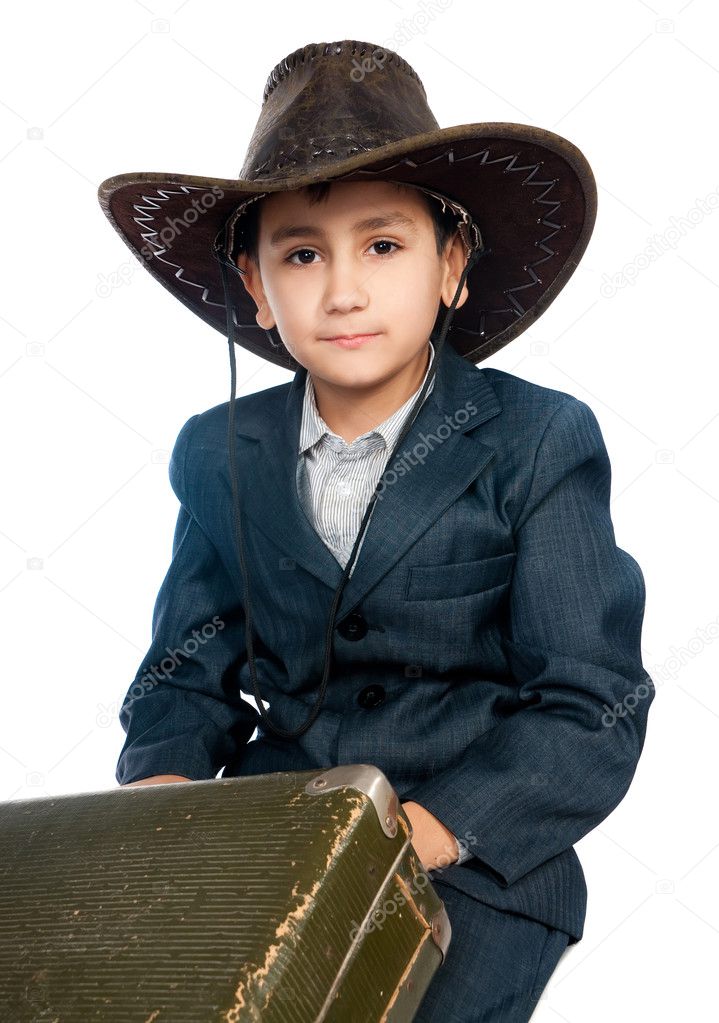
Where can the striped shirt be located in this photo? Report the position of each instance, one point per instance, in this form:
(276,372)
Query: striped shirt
(336,479)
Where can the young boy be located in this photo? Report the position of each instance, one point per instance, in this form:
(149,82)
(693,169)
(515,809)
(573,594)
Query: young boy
(486,654)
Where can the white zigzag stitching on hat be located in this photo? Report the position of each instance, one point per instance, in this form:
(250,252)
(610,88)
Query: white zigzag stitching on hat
(149,236)
(518,309)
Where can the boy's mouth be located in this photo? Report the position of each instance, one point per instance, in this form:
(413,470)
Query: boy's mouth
(349,340)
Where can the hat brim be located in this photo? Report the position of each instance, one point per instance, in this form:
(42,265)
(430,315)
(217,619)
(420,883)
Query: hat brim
(531,192)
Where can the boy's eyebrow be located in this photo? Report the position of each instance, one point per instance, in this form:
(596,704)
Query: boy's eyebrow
(393,219)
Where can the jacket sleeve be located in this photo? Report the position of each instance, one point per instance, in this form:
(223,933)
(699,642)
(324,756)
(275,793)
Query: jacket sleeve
(184,713)
(562,757)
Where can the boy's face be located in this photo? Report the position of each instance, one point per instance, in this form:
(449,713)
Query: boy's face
(327,276)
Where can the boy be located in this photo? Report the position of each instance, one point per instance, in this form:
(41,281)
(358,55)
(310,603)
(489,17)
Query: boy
(489,623)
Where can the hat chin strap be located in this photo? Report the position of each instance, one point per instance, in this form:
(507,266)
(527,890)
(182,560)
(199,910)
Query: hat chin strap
(225,263)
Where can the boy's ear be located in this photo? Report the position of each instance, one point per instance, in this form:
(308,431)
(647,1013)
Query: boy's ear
(455,260)
(253,284)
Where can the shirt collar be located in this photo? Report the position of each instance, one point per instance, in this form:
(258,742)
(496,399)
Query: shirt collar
(314,428)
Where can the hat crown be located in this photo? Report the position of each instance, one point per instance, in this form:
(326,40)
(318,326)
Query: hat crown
(326,102)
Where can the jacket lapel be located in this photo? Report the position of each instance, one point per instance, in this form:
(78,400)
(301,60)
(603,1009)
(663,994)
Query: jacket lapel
(445,456)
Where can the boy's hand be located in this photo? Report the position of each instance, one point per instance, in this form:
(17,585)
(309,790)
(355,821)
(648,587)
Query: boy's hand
(435,845)
(156,779)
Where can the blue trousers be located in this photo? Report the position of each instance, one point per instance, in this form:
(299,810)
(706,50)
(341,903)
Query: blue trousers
(497,964)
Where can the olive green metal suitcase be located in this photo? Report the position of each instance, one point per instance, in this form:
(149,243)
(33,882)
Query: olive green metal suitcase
(283,897)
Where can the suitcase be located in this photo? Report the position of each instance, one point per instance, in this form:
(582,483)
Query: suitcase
(284,897)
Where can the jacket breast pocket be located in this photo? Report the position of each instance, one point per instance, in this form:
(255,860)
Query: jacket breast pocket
(460,579)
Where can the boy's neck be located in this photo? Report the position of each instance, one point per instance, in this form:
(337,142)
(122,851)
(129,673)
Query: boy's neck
(350,411)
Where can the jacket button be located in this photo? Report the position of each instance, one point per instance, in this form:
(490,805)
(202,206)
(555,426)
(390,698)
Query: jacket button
(371,696)
(353,626)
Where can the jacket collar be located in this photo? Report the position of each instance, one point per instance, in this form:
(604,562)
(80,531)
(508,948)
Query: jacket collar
(443,454)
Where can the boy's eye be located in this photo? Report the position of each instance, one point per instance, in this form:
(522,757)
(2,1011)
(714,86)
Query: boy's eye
(385,241)
(311,252)
(299,252)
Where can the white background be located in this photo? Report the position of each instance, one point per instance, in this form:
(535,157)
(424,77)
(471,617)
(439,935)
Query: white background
(94,386)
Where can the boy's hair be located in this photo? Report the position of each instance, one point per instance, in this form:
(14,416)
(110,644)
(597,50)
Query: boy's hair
(445,222)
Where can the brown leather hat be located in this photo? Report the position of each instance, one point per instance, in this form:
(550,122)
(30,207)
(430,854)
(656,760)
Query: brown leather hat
(355,111)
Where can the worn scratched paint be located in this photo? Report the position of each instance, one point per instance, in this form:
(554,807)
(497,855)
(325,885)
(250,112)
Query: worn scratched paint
(290,928)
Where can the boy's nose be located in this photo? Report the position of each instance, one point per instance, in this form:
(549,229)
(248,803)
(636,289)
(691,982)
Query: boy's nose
(346,288)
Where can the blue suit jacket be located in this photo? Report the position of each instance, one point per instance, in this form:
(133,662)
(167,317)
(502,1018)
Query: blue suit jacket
(503,623)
